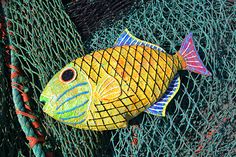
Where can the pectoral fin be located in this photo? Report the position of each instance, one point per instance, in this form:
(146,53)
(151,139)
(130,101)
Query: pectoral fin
(108,88)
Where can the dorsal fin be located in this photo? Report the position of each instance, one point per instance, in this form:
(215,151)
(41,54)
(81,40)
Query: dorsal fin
(126,38)
(159,107)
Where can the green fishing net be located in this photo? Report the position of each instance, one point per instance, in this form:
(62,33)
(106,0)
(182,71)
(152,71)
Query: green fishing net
(47,34)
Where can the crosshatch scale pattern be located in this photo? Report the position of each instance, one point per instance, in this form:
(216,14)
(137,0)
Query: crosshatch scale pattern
(143,73)
(200,120)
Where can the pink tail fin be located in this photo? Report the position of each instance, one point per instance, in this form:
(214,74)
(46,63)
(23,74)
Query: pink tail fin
(191,58)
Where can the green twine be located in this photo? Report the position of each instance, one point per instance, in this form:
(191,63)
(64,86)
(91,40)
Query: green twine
(19,105)
(24,122)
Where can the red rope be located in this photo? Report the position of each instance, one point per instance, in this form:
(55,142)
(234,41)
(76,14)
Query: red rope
(15,73)
(25,114)
(25,97)
(35,124)
(27,107)
(34,140)
(23,94)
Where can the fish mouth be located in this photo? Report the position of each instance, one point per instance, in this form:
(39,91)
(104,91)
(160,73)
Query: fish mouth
(44,99)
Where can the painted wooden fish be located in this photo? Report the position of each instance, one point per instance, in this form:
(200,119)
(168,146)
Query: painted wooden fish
(105,89)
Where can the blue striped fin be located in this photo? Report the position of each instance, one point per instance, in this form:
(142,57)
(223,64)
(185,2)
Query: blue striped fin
(126,38)
(159,107)
(154,111)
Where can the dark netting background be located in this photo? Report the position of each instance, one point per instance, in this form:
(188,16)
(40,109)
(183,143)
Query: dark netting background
(200,120)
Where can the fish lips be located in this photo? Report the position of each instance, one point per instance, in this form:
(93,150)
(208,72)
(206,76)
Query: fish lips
(46,101)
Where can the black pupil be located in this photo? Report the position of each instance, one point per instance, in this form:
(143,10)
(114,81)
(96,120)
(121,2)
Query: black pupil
(67,75)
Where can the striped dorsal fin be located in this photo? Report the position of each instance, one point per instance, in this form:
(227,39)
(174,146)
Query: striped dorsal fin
(126,38)
(159,107)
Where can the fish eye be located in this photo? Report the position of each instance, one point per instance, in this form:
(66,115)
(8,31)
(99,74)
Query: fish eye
(68,75)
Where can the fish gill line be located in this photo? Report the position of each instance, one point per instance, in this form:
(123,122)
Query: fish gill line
(70,98)
(77,85)
(72,117)
(73,108)
(74,123)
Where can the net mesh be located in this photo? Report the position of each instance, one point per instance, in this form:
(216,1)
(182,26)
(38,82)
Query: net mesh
(201,117)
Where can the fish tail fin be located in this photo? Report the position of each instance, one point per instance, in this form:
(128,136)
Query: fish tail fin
(190,57)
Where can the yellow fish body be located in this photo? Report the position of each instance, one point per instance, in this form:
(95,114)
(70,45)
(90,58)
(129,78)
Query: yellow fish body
(105,89)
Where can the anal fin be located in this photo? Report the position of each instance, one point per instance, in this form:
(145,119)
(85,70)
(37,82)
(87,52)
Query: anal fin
(159,107)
